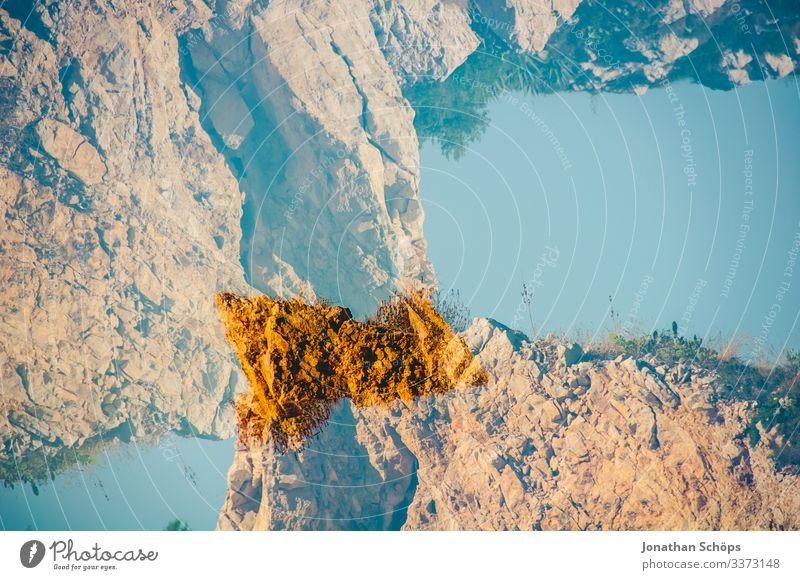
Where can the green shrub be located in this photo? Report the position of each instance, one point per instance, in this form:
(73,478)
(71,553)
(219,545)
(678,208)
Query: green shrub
(177,525)
(454,113)
(668,347)
(40,465)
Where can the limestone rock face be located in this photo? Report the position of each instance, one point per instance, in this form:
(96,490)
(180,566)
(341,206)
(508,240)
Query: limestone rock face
(71,150)
(133,137)
(331,169)
(546,445)
(527,24)
(121,223)
(423,40)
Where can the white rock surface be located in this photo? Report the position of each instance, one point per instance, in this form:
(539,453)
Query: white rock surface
(331,172)
(591,445)
(121,223)
(137,138)
(423,40)
(525,23)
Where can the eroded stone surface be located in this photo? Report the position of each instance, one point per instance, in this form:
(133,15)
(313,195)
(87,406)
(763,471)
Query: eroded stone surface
(121,222)
(546,445)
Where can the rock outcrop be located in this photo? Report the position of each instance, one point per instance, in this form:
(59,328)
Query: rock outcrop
(629,47)
(613,445)
(301,359)
(524,23)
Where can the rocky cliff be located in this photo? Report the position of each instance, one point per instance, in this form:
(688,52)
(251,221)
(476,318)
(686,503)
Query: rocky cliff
(553,442)
(120,221)
(157,152)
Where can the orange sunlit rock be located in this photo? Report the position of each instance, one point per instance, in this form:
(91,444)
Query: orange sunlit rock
(300,359)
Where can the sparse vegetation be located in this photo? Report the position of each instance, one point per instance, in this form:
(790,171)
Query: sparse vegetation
(772,388)
(667,346)
(40,465)
(527,299)
(452,308)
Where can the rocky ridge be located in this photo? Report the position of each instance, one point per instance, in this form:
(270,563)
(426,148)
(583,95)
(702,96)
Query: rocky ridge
(552,442)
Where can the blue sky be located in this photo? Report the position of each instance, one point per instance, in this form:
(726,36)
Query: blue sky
(646,199)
